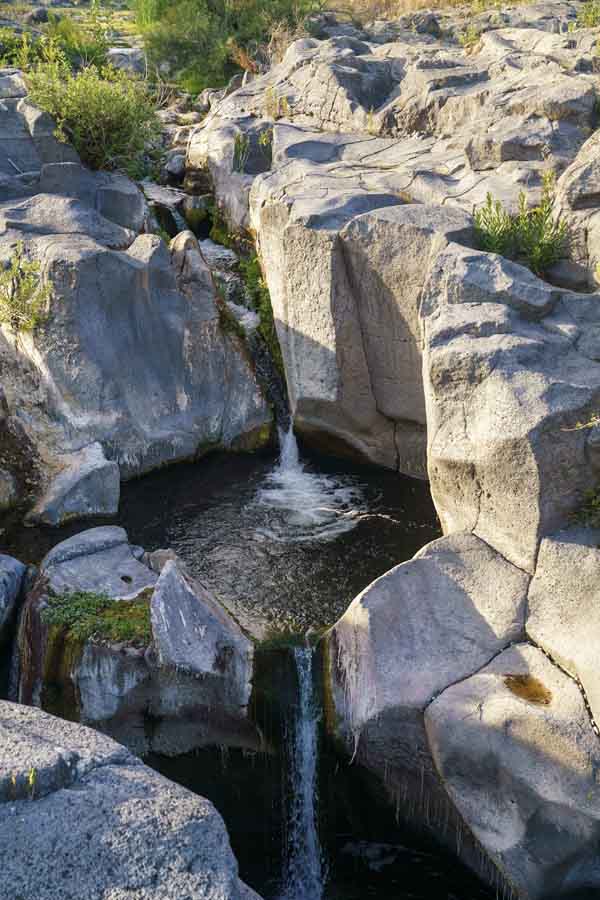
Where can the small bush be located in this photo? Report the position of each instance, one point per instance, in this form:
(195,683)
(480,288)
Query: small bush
(205,42)
(533,237)
(90,616)
(107,115)
(23,294)
(589,14)
(589,512)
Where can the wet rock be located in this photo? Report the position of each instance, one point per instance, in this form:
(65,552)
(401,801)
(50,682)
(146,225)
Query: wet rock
(181,663)
(516,751)
(9,493)
(130,829)
(12,573)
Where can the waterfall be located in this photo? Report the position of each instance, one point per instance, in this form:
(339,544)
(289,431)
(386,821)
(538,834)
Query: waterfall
(304,875)
(306,505)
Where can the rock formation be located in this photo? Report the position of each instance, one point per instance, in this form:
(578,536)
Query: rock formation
(130,368)
(175,675)
(131,832)
(465,679)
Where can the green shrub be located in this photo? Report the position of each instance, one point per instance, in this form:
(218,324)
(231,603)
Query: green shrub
(90,616)
(206,41)
(84,41)
(107,115)
(588,15)
(533,236)
(23,294)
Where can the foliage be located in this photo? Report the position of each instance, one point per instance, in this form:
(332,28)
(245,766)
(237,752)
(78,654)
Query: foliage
(588,15)
(107,115)
(208,41)
(533,236)
(23,293)
(256,286)
(469,38)
(90,616)
(82,42)
(589,512)
(241,151)
(86,41)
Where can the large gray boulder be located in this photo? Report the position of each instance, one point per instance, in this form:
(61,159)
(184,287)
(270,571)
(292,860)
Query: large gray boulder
(511,368)
(178,656)
(132,833)
(89,485)
(517,753)
(426,624)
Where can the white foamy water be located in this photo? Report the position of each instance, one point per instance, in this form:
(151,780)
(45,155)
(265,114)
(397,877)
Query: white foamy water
(304,876)
(305,505)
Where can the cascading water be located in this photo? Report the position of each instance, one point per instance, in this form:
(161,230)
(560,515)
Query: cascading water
(304,872)
(306,505)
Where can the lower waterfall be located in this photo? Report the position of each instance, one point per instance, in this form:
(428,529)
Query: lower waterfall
(304,874)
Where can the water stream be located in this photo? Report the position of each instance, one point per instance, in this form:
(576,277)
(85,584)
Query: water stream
(304,871)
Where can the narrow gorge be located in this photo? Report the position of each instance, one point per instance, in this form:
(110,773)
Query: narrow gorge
(299,466)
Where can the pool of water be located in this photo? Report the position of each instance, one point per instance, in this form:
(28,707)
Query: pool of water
(285,543)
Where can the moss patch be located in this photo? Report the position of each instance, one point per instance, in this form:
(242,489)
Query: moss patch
(528,688)
(88,616)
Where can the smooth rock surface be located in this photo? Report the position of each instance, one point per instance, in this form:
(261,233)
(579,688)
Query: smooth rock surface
(88,486)
(564,606)
(515,749)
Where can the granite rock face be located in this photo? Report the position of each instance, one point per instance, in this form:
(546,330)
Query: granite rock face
(129,368)
(132,833)
(185,662)
(398,114)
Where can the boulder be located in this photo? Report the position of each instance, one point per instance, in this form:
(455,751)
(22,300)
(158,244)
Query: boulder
(563,611)
(129,59)
(509,372)
(88,486)
(177,659)
(426,624)
(516,751)
(132,381)
(131,831)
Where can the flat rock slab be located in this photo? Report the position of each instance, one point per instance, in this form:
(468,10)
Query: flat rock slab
(99,560)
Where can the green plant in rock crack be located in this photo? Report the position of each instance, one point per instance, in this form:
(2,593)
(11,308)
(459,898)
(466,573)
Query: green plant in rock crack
(533,236)
(23,293)
(241,152)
